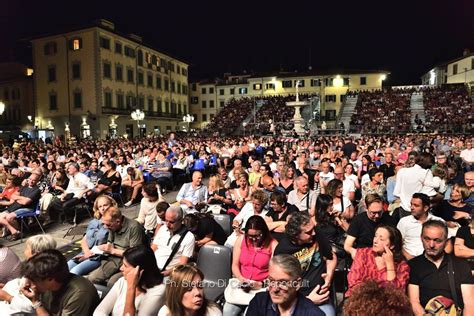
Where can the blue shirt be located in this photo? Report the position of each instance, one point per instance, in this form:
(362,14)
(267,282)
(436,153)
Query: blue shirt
(262,304)
(96,233)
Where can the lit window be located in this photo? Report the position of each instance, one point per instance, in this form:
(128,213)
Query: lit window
(76,44)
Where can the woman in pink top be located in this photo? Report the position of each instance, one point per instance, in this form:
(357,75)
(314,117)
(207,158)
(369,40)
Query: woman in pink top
(383,262)
(251,256)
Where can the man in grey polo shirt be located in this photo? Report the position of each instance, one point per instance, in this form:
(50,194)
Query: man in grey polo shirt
(124,233)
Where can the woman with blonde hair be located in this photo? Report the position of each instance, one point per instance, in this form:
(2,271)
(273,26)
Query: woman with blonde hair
(218,194)
(96,234)
(185,295)
(244,190)
(287,178)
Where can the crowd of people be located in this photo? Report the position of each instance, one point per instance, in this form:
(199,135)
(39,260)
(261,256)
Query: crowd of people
(448,107)
(382,111)
(395,212)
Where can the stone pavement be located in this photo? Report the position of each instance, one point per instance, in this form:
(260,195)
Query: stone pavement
(59,230)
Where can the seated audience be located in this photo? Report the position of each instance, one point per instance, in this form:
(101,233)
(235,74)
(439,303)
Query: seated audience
(52,290)
(133,181)
(383,262)
(185,295)
(205,229)
(96,235)
(251,256)
(147,215)
(278,214)
(283,296)
(140,291)
(429,273)
(193,194)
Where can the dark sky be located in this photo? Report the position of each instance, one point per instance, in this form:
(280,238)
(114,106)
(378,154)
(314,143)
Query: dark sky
(404,37)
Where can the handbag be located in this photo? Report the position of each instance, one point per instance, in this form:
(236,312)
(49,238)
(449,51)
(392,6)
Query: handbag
(443,306)
(234,294)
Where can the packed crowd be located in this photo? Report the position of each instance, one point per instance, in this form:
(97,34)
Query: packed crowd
(282,219)
(232,115)
(382,111)
(448,108)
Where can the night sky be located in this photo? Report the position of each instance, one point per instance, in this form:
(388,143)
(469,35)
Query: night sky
(404,37)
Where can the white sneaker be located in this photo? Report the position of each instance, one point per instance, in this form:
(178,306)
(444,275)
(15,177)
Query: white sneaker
(128,204)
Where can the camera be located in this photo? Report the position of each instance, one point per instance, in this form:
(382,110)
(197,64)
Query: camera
(245,287)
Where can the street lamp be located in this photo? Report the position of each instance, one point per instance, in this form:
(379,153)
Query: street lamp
(138,115)
(2,107)
(188,119)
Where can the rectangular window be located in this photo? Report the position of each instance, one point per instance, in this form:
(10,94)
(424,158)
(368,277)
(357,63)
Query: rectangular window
(257,86)
(329,82)
(118,48)
(50,48)
(77,100)
(130,52)
(330,98)
(270,86)
(141,102)
(108,99)
(194,100)
(203,90)
(118,73)
(330,115)
(204,104)
(75,43)
(455,69)
(346,81)
(107,71)
(315,82)
(342,98)
(211,103)
(204,117)
(140,78)
(150,105)
(243,90)
(76,71)
(167,107)
(120,103)
(158,82)
(158,105)
(149,82)
(178,87)
(232,90)
(51,73)
(211,90)
(222,104)
(104,42)
(130,76)
(185,89)
(286,84)
(472,63)
(193,87)
(300,83)
(167,84)
(53,102)
(130,101)
(221,91)
(173,89)
(363,81)
(211,116)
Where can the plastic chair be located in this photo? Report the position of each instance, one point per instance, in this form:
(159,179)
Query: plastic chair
(199,165)
(34,213)
(224,221)
(215,263)
(146,176)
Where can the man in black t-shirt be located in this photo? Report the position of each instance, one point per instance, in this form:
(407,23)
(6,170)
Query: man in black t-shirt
(277,217)
(25,201)
(315,255)
(205,229)
(429,272)
(361,231)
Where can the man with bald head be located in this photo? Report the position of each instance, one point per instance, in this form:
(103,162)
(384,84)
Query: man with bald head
(174,233)
(302,197)
(192,194)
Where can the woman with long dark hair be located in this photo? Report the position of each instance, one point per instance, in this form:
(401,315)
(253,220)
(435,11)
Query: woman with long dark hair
(140,291)
(251,256)
(383,262)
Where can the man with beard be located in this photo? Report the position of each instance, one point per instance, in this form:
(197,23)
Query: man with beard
(429,272)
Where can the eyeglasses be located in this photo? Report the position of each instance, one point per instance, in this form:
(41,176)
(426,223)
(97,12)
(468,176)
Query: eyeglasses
(379,213)
(254,237)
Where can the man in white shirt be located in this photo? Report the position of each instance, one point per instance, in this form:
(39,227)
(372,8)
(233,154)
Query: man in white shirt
(409,180)
(302,197)
(348,186)
(192,194)
(410,226)
(356,163)
(325,175)
(168,237)
(467,156)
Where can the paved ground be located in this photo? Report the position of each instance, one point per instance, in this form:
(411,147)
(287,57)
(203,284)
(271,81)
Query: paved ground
(58,230)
